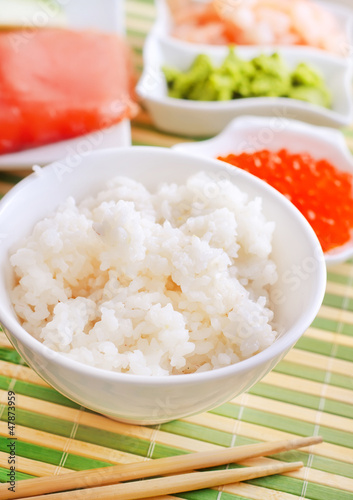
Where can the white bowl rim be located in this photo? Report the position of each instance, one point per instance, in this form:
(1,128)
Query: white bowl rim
(280,346)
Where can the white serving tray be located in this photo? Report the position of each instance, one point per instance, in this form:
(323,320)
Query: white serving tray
(105,15)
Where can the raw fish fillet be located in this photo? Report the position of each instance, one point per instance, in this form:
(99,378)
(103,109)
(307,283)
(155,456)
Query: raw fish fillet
(57,84)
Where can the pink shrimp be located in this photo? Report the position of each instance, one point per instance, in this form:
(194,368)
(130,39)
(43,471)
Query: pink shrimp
(263,22)
(199,24)
(316,26)
(212,33)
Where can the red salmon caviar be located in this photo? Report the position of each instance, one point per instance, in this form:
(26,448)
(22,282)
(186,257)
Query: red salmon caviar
(323,194)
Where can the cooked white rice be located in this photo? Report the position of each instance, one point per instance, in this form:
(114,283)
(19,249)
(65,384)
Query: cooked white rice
(150,284)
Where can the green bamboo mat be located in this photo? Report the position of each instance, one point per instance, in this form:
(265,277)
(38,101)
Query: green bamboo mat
(309,393)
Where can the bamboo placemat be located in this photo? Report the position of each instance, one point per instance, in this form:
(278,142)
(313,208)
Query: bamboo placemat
(309,393)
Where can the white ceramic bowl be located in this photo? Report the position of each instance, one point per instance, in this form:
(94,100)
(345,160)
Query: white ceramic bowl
(201,119)
(250,134)
(148,400)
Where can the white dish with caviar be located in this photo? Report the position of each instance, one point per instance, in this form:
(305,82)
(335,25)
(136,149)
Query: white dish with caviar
(250,134)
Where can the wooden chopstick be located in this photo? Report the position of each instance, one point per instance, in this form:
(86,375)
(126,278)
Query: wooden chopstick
(170,465)
(172,484)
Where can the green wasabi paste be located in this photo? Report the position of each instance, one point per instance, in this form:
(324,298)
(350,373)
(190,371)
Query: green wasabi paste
(263,76)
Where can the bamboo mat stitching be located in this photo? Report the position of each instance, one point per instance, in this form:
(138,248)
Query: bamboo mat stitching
(153,441)
(66,448)
(242,402)
(11,386)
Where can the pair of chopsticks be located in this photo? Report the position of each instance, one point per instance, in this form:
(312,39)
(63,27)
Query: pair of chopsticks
(101,484)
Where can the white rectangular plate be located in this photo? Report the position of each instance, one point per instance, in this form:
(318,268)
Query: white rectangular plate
(106,15)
